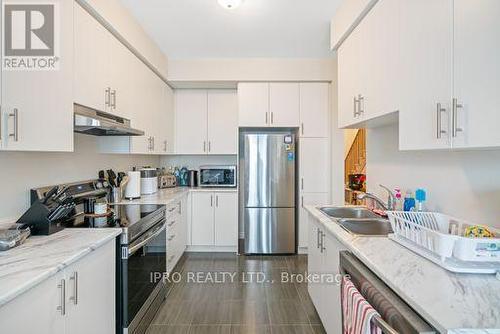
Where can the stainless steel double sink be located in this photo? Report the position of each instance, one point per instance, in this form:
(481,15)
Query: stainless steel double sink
(359,220)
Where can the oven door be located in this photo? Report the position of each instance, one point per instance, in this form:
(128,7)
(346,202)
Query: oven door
(218,176)
(144,261)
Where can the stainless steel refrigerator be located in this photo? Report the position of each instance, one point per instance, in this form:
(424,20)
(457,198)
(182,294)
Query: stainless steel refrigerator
(267,191)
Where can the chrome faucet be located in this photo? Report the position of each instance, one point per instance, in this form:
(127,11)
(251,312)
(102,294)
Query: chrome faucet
(391,199)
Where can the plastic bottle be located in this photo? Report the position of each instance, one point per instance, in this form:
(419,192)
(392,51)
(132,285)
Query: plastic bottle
(409,203)
(420,196)
(399,200)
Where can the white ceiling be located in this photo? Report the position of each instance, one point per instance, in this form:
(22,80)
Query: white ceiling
(258,28)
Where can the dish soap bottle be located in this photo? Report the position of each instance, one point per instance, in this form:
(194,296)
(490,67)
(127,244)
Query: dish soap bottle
(399,200)
(420,196)
(409,203)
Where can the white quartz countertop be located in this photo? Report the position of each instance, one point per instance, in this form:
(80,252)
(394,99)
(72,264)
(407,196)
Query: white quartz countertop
(452,303)
(41,257)
(169,195)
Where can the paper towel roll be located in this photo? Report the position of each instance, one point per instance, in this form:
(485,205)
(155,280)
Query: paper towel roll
(133,187)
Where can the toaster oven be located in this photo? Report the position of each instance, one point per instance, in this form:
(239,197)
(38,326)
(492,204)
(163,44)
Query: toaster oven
(218,176)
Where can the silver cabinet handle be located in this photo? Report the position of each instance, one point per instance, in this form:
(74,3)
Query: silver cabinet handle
(15,115)
(272,117)
(456,106)
(171,223)
(355,107)
(75,288)
(317,237)
(323,248)
(439,112)
(164,146)
(180,208)
(211,200)
(266,117)
(302,183)
(153,143)
(113,99)
(171,237)
(209,146)
(62,288)
(171,258)
(302,201)
(361,100)
(217,201)
(107,96)
(1,119)
(204,146)
(302,128)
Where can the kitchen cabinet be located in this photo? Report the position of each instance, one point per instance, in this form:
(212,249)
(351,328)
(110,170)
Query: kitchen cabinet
(214,219)
(222,122)
(426,66)
(64,303)
(314,110)
(284,105)
(476,74)
(206,122)
(324,258)
(176,232)
(37,105)
(308,199)
(253,104)
(368,67)
(314,165)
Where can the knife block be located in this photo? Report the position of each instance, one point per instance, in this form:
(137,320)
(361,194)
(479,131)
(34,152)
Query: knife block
(37,219)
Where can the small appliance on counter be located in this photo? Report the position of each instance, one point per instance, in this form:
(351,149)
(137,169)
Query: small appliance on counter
(218,176)
(166,179)
(133,187)
(193,178)
(13,237)
(149,181)
(183,177)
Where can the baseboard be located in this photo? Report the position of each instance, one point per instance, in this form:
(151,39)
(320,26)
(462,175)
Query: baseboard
(212,249)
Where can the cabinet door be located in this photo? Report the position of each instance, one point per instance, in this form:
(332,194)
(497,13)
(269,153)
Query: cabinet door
(309,199)
(477,72)
(90,292)
(40,304)
(379,59)
(332,314)
(168,124)
(253,104)
(202,219)
(191,121)
(284,104)
(222,122)
(426,66)
(314,165)
(38,104)
(143,113)
(348,79)
(226,219)
(92,74)
(314,110)
(2,131)
(314,262)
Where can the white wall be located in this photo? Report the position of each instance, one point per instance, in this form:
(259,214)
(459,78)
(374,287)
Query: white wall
(250,69)
(19,172)
(464,184)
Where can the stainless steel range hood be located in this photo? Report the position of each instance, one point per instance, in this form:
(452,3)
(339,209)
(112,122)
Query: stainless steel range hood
(97,123)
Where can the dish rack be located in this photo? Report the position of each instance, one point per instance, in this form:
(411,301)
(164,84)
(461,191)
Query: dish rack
(440,238)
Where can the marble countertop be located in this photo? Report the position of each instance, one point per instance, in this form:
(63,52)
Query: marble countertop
(452,303)
(169,195)
(41,257)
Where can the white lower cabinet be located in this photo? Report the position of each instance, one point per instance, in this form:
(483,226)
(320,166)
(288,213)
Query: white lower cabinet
(176,232)
(323,259)
(79,299)
(214,219)
(309,199)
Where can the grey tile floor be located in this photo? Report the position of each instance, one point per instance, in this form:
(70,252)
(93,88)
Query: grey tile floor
(200,303)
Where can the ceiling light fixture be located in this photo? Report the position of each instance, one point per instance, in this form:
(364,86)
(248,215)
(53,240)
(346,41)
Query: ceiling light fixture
(230,4)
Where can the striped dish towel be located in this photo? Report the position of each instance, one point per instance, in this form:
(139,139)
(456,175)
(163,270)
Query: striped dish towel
(356,311)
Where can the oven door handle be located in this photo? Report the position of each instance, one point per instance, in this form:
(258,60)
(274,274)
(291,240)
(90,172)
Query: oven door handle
(153,234)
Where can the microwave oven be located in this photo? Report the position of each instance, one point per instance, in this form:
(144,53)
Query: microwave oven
(218,176)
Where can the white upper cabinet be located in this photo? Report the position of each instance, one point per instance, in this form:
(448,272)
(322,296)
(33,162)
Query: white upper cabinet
(37,105)
(222,122)
(284,105)
(314,165)
(314,110)
(476,74)
(206,121)
(191,121)
(368,66)
(426,72)
(92,71)
(253,104)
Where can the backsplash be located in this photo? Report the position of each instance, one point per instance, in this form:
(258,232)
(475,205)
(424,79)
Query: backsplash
(463,184)
(195,161)
(21,171)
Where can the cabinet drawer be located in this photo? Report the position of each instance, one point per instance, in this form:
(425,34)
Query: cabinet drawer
(173,209)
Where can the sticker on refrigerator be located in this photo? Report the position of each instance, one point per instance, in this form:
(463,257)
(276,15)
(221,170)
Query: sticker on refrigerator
(291,156)
(288,139)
